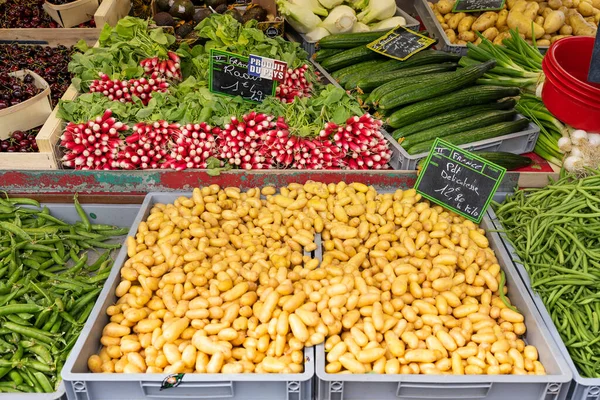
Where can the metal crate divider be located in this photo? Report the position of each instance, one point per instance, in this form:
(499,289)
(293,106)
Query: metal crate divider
(311,47)
(448,387)
(581,388)
(84,385)
(517,143)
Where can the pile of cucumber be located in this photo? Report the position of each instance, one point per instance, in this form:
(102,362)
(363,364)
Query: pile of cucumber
(423,97)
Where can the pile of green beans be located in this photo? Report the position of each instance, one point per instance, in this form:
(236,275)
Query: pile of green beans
(556,233)
(47,289)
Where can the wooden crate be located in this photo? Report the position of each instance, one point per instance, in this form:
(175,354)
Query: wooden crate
(110,11)
(48,157)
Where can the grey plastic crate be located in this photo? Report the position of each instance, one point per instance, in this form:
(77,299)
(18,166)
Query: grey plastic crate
(119,215)
(517,143)
(453,387)
(311,47)
(436,31)
(84,385)
(581,388)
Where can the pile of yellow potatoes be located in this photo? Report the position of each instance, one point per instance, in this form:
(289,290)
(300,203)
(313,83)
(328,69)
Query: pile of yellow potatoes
(229,282)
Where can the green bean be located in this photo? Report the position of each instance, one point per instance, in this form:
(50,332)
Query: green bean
(82,214)
(43,381)
(47,291)
(34,333)
(15,230)
(19,308)
(556,232)
(102,245)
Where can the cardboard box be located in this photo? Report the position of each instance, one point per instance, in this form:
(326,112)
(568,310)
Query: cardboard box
(72,14)
(110,11)
(30,113)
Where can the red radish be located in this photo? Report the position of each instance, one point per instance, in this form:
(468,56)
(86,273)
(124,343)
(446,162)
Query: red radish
(193,145)
(170,68)
(94,144)
(239,143)
(147,147)
(295,85)
(124,90)
(363,142)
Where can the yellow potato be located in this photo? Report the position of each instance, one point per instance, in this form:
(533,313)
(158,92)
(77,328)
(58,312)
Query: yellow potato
(485,21)
(444,6)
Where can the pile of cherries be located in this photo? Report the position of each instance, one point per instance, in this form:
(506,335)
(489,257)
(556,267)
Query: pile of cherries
(51,63)
(15,90)
(30,14)
(20,142)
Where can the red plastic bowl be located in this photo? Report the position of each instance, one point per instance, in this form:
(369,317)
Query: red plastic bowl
(566,93)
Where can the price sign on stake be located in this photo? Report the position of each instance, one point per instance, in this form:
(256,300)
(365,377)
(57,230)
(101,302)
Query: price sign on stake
(477,5)
(229,75)
(401,43)
(594,74)
(459,180)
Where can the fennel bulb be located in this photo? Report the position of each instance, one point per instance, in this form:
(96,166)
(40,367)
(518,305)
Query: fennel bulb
(317,34)
(300,18)
(329,4)
(360,27)
(341,19)
(358,5)
(312,5)
(388,24)
(378,10)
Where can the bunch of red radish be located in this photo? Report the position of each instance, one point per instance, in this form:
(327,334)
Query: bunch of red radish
(124,90)
(170,68)
(148,146)
(294,85)
(193,145)
(256,141)
(239,143)
(92,145)
(362,142)
(281,150)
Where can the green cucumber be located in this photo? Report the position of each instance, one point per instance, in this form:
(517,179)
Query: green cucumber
(462,125)
(435,87)
(509,161)
(451,116)
(426,57)
(351,80)
(475,135)
(373,81)
(324,53)
(349,57)
(382,90)
(349,40)
(470,96)
(340,73)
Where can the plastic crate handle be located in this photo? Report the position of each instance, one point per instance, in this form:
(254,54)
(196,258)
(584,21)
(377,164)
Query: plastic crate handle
(187,390)
(430,391)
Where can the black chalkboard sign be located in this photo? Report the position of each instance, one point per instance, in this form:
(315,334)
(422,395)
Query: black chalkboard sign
(401,43)
(594,74)
(477,5)
(228,75)
(459,180)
